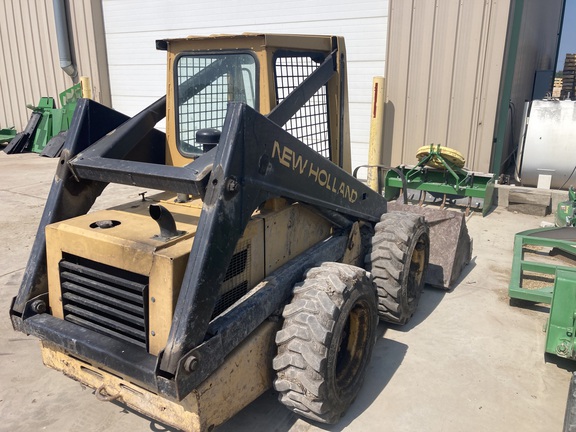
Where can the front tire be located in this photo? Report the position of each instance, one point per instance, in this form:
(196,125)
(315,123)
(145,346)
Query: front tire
(326,341)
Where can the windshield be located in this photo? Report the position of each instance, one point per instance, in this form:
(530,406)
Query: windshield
(206,83)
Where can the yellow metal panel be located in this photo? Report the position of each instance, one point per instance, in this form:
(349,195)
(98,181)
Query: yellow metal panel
(131,246)
(337,90)
(53,257)
(290,232)
(245,375)
(354,250)
(253,41)
(254,232)
(166,275)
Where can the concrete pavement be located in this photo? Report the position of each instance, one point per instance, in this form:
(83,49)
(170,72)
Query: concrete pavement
(467,360)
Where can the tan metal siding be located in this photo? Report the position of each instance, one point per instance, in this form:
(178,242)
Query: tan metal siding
(443,76)
(481,145)
(446,26)
(417,101)
(398,52)
(468,49)
(29,51)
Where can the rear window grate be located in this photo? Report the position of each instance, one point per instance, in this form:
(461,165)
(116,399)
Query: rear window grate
(105,299)
(310,123)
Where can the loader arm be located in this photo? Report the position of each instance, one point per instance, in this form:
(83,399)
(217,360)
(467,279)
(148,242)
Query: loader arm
(254,161)
(109,147)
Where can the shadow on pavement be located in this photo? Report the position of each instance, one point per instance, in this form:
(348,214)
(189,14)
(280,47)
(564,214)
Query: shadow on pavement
(386,359)
(155,426)
(431,298)
(562,363)
(267,414)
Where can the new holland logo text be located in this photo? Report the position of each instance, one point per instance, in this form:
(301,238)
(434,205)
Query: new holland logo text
(297,163)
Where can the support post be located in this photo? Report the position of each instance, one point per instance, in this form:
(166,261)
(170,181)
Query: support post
(376,132)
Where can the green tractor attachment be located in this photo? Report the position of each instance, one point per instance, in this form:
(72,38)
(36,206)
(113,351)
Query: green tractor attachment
(440,174)
(46,122)
(561,323)
(544,271)
(6,135)
(538,255)
(565,215)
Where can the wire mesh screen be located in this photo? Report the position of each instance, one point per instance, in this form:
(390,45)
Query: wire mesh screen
(235,283)
(310,123)
(215,80)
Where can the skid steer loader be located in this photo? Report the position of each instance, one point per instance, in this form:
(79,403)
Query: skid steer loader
(264,264)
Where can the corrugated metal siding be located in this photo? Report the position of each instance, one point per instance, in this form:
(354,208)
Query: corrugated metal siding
(30,66)
(443,75)
(137,70)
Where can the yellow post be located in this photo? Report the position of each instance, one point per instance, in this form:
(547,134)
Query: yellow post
(86,87)
(376,130)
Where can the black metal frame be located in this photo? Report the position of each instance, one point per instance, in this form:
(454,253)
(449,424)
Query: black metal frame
(244,170)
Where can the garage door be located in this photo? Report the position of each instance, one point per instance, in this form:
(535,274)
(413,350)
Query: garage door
(138,71)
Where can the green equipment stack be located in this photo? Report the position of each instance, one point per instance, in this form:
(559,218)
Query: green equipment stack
(46,122)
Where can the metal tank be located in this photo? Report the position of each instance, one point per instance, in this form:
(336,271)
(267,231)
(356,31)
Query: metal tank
(550,144)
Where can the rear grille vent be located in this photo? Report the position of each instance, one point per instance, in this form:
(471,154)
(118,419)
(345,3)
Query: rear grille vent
(229,298)
(235,283)
(237,265)
(105,299)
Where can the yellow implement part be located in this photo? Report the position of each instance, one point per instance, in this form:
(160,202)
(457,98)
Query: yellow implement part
(454,157)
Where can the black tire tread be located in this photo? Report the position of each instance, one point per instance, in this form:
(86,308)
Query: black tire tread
(388,260)
(304,340)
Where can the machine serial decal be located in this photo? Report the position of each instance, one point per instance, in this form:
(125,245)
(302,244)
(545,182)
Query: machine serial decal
(297,163)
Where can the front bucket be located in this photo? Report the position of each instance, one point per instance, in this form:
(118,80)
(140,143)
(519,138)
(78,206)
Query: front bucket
(450,244)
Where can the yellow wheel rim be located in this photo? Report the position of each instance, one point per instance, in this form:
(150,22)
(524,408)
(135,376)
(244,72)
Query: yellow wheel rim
(454,157)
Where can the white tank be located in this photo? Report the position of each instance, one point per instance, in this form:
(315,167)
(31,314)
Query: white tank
(550,144)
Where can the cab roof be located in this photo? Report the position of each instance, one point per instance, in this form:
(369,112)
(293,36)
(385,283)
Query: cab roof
(273,40)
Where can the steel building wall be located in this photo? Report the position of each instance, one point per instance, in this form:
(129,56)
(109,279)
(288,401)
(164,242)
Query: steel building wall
(138,71)
(538,42)
(30,66)
(443,72)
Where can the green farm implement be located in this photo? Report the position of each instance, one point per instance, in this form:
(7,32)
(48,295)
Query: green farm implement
(544,271)
(6,135)
(46,122)
(565,213)
(440,175)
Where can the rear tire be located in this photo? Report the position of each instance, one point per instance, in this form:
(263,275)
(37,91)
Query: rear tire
(398,258)
(326,341)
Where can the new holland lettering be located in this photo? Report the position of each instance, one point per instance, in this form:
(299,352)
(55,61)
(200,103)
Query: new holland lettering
(297,163)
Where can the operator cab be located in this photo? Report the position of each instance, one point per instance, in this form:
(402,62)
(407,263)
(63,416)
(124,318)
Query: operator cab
(260,71)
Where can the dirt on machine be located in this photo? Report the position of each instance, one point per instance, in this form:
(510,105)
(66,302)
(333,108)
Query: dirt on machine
(265,263)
